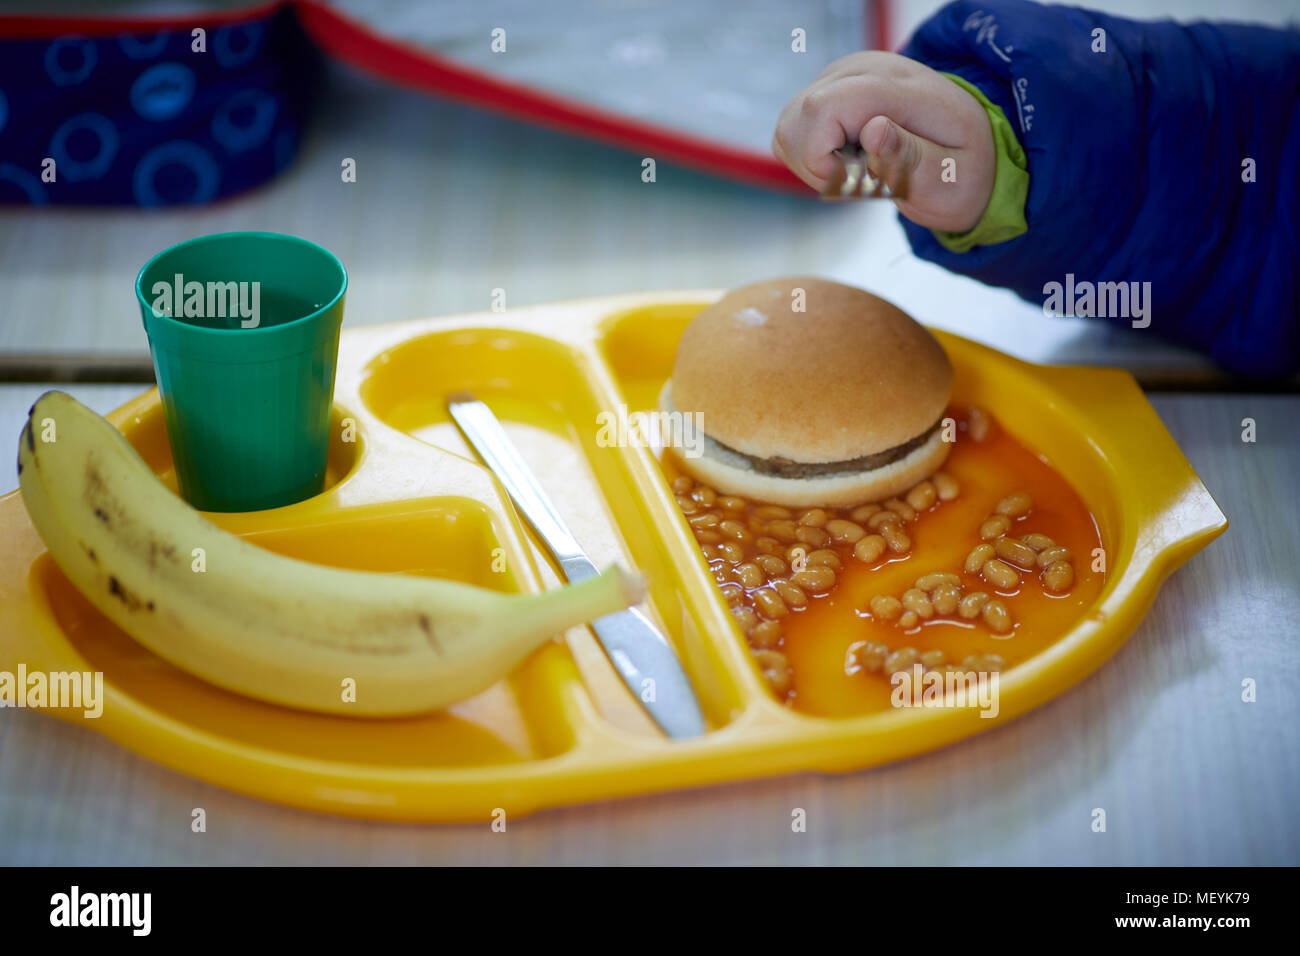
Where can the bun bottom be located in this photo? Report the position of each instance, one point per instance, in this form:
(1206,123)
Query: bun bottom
(841,490)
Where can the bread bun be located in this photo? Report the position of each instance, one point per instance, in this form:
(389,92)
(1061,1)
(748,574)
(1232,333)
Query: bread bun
(836,404)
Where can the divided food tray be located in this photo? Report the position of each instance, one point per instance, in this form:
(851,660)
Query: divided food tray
(404,495)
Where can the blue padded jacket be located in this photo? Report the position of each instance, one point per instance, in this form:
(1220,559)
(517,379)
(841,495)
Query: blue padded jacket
(1141,160)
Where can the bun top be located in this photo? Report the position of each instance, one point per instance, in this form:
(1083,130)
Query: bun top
(850,375)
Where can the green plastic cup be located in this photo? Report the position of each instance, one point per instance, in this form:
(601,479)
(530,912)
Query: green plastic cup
(244,332)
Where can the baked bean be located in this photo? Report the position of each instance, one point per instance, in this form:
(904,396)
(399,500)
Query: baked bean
(1013,506)
(814,518)
(721,574)
(816,580)
(945,598)
(975,560)
(768,512)
(711,552)
(882,518)
(708,519)
(1049,556)
(845,532)
(756,525)
(914,599)
(766,634)
(1000,574)
(901,660)
(922,496)
(708,536)
(996,616)
(745,617)
(928,582)
(688,506)
(768,546)
(682,484)
(870,548)
(732,552)
(783,529)
(871,656)
(1017,553)
(885,607)
(731,503)
(735,530)
(1058,576)
(862,512)
(790,593)
(823,558)
(969,606)
(1038,542)
(705,495)
(772,566)
(901,508)
(750,575)
(896,538)
(817,537)
(769,603)
(979,424)
(994,526)
(776,670)
(983,662)
(933,660)
(945,486)
(734,594)
(909,620)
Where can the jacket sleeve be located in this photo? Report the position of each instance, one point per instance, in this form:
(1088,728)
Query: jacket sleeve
(1157,153)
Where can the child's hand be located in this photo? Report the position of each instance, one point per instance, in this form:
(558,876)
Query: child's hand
(908,118)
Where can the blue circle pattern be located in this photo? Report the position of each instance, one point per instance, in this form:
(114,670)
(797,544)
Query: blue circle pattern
(54,60)
(246,36)
(140,118)
(28,182)
(105,134)
(162,91)
(235,137)
(178,152)
(138,49)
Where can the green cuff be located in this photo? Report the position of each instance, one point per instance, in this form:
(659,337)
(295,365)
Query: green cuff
(1005,216)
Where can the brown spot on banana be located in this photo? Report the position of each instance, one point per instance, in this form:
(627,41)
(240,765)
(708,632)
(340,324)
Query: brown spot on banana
(429,635)
(116,589)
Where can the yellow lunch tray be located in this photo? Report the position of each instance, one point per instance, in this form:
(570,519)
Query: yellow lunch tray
(406,496)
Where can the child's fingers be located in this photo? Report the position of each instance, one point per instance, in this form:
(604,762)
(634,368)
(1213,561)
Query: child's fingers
(826,116)
(806,148)
(902,159)
(913,167)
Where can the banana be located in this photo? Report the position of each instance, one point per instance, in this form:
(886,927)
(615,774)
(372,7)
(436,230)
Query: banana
(262,624)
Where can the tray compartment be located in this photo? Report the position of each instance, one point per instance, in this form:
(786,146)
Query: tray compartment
(518,719)
(1056,413)
(549,402)
(146,430)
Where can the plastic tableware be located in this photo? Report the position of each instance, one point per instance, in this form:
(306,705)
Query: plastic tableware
(244,330)
(404,496)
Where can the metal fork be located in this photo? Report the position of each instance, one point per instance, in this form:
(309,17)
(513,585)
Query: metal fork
(852,179)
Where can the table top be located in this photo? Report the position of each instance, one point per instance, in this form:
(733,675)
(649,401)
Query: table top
(1159,737)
